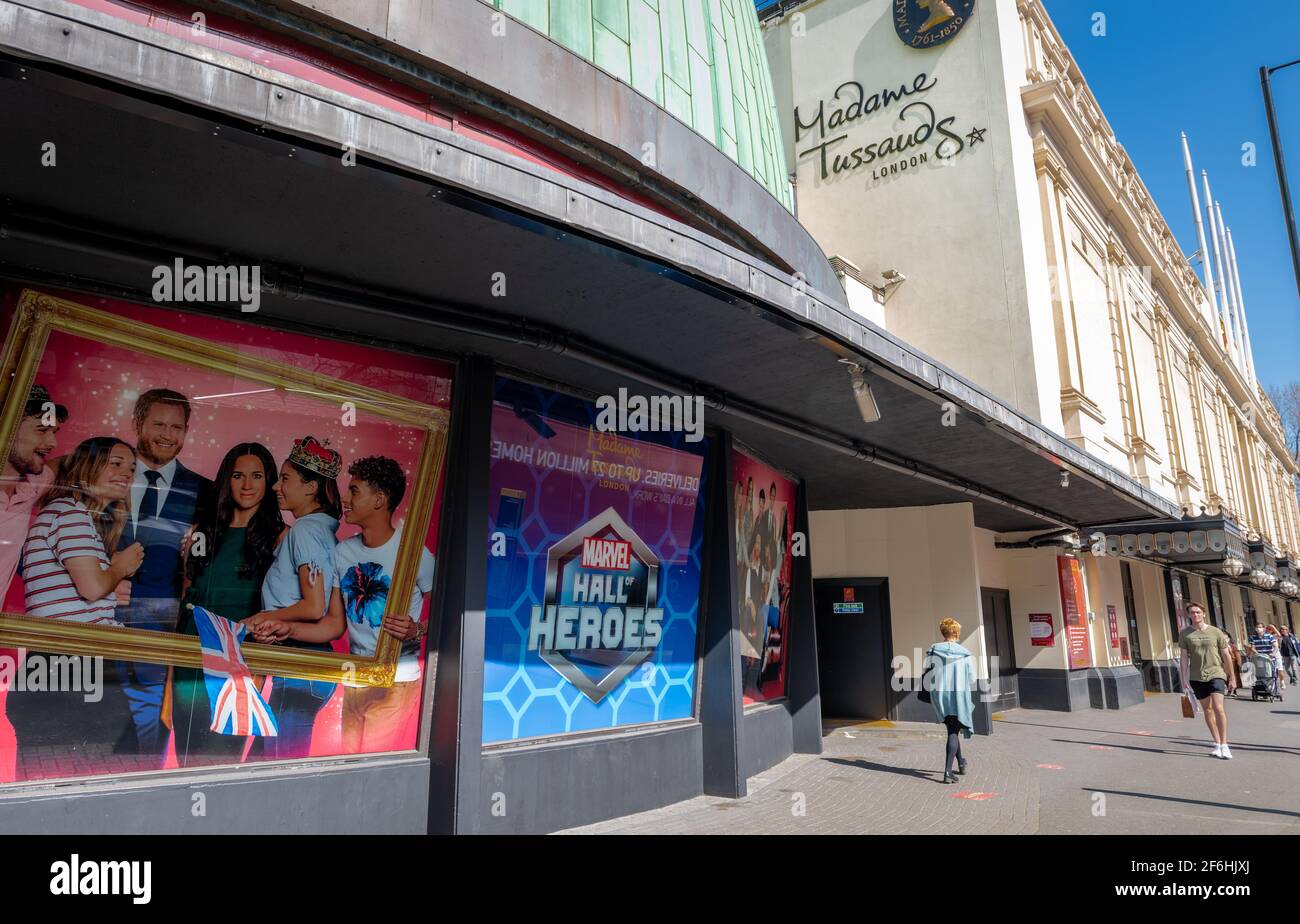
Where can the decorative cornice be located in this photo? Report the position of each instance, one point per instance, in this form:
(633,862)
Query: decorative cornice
(1047,161)
(1074,400)
(1142,449)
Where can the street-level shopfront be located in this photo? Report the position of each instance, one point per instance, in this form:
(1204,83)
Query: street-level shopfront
(1166,565)
(592,574)
(596,619)
(243,410)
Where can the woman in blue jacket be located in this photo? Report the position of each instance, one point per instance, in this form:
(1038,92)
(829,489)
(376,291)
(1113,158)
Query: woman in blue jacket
(949,672)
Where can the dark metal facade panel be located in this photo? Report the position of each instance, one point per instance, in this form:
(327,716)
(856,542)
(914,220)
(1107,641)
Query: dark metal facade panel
(373,796)
(222,189)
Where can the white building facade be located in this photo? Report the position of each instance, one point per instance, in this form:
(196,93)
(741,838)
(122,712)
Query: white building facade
(952,161)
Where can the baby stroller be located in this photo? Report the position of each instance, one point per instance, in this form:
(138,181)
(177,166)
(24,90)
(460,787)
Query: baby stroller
(1268,685)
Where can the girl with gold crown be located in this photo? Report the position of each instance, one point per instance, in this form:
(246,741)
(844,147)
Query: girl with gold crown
(297,586)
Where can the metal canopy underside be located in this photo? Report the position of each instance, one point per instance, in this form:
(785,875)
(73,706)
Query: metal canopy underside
(148,177)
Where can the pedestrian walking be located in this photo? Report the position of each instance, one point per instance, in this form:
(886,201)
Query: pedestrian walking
(1234,665)
(1290,652)
(1205,677)
(1278,662)
(1260,643)
(947,679)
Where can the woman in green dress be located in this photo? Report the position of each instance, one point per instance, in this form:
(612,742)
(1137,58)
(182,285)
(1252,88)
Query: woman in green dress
(239,532)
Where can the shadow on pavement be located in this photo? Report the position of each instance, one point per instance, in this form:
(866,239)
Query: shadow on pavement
(885,768)
(1206,802)
(1095,731)
(1246,745)
(1134,747)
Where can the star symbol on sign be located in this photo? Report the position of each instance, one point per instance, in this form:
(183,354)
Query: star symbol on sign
(975,135)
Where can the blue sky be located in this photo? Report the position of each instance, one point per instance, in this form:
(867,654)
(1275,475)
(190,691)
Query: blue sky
(1193,66)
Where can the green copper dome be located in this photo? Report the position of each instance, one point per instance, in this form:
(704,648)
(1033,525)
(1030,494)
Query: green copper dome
(702,60)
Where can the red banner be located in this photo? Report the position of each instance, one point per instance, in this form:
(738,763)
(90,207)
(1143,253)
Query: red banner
(1073,608)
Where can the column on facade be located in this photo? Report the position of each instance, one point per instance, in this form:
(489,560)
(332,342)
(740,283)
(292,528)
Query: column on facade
(1249,487)
(1195,369)
(1274,513)
(1169,407)
(1287,492)
(1228,447)
(1117,304)
(1054,192)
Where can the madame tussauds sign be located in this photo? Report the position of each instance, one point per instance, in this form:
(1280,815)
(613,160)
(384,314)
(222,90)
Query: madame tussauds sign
(925,133)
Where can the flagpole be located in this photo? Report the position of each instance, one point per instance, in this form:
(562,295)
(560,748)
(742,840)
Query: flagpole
(1245,327)
(1233,303)
(1224,314)
(1200,229)
(1288,210)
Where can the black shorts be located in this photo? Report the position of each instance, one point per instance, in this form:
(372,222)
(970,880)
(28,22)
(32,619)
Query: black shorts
(1203,688)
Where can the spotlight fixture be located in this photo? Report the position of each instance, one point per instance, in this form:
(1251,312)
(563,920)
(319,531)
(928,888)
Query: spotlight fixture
(891,279)
(1065,478)
(866,401)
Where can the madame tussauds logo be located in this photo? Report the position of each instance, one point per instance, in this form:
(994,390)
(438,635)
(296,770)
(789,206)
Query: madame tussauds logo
(600,617)
(916,126)
(929,23)
(237,283)
(76,876)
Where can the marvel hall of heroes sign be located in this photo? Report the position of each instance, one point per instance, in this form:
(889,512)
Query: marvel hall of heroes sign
(593,573)
(920,134)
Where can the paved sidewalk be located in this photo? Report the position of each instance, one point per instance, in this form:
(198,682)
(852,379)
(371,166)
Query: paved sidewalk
(1142,770)
(880,778)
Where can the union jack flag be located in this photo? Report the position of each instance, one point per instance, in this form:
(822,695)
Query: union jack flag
(237,706)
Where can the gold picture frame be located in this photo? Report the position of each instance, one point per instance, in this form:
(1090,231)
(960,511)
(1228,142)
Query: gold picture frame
(38,315)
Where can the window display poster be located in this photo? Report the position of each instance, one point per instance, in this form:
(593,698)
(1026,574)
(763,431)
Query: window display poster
(593,571)
(764,506)
(1074,609)
(1041,634)
(216,442)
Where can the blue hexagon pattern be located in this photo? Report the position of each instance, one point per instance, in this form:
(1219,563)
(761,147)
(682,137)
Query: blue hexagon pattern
(551,471)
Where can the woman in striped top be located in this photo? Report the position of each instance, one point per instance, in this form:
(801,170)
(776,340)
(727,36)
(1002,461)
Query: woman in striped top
(68,574)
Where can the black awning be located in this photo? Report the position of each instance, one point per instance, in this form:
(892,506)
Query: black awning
(1216,546)
(385,254)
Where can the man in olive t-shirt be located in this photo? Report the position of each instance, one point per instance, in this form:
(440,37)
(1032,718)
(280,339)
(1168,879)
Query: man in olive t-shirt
(1205,667)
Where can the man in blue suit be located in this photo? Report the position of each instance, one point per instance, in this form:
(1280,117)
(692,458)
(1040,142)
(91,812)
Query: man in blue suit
(166,499)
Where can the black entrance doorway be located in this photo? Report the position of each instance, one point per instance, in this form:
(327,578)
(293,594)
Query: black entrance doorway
(854,647)
(1004,689)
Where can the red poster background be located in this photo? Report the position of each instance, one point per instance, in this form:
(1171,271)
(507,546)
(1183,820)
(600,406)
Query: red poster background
(1113,618)
(99,384)
(1073,607)
(765,677)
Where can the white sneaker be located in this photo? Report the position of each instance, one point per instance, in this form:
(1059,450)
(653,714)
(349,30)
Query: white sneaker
(1218,751)
(1225,752)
